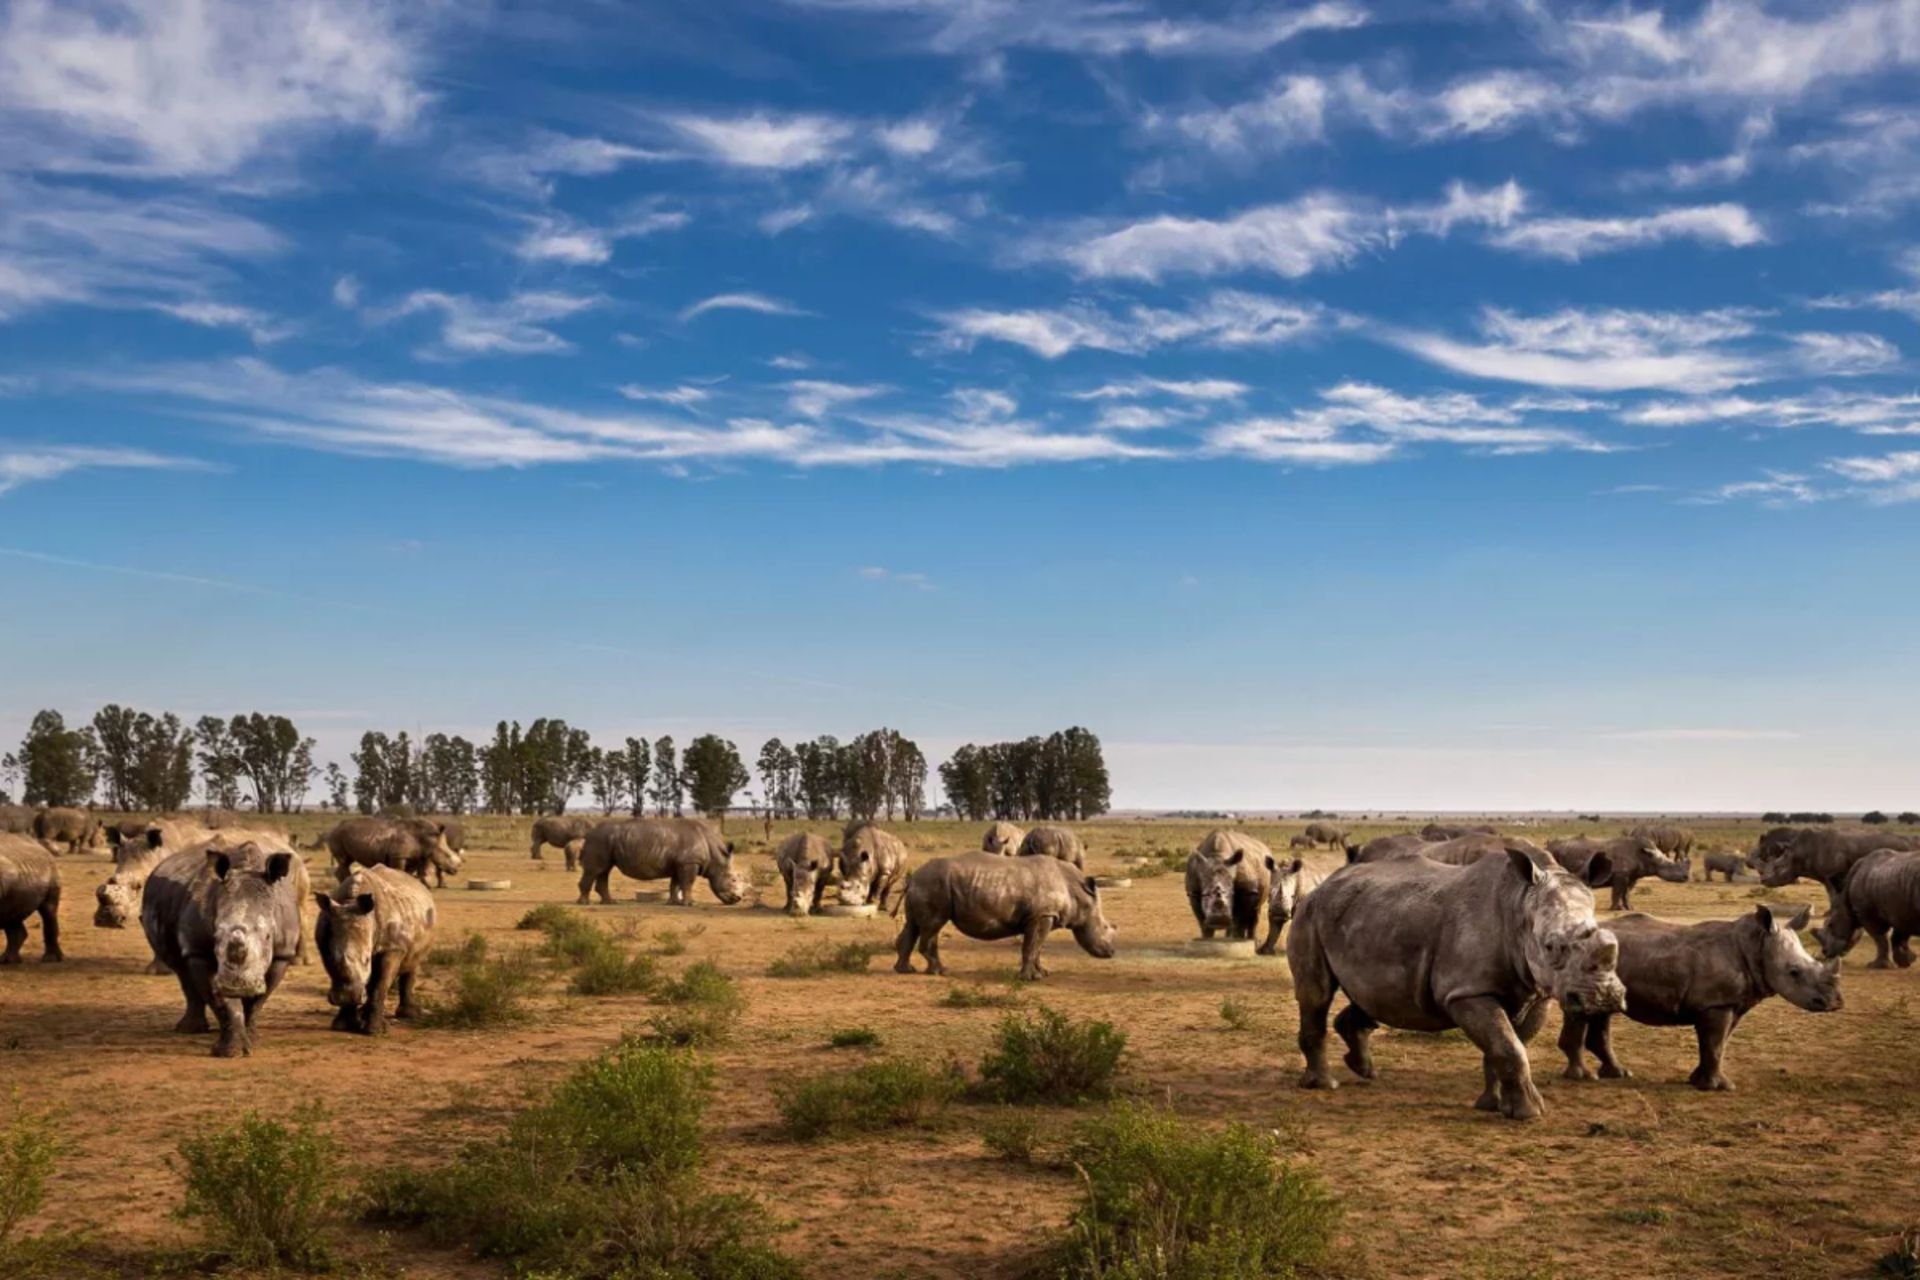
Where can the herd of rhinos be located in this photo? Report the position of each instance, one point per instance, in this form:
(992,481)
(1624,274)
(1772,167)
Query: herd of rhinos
(1425,931)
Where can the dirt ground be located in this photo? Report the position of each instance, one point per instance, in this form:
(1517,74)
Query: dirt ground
(1806,1170)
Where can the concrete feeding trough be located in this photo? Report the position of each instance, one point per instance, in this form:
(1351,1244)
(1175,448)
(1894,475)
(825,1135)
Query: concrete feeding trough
(860,912)
(1113,882)
(1220,948)
(489,885)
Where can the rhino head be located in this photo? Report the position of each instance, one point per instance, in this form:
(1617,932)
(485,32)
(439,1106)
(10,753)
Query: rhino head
(1840,931)
(246,912)
(119,900)
(725,879)
(350,928)
(1095,934)
(1283,894)
(1813,985)
(1568,955)
(1667,867)
(1216,887)
(856,874)
(807,877)
(440,852)
(1773,858)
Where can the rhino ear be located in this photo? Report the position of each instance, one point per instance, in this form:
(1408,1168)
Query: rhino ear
(1798,920)
(1523,865)
(113,836)
(1238,854)
(221,864)
(1093,886)
(363,904)
(325,902)
(1273,865)
(155,837)
(1599,870)
(279,867)
(1764,916)
(1299,863)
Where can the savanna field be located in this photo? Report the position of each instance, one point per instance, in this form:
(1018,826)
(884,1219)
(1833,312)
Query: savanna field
(1805,1170)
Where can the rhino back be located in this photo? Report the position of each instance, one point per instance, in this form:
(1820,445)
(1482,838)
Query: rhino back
(28,874)
(1675,972)
(403,908)
(1885,889)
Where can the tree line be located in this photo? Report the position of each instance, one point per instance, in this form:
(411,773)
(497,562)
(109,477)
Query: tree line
(1063,775)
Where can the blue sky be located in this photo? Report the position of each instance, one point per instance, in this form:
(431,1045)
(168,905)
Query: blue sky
(1362,403)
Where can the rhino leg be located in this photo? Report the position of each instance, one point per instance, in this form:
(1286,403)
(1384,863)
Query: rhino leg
(903,945)
(50,927)
(534,852)
(1574,1031)
(930,948)
(573,850)
(345,1018)
(234,1041)
(1031,970)
(156,966)
(1356,1027)
(1272,944)
(1313,991)
(1902,953)
(373,1017)
(1600,1042)
(1712,1031)
(1881,953)
(1509,1081)
(194,979)
(404,984)
(16,939)
(1622,895)
(1246,915)
(680,890)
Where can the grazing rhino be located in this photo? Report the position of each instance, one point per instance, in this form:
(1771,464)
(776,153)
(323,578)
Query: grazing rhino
(562,831)
(677,849)
(1054,842)
(1786,854)
(1228,875)
(988,897)
(1880,896)
(1424,946)
(1302,841)
(135,855)
(72,827)
(1002,838)
(873,868)
(1291,882)
(1381,848)
(1727,864)
(1634,858)
(1326,833)
(224,916)
(805,864)
(29,886)
(1705,976)
(1437,832)
(412,845)
(1674,841)
(372,932)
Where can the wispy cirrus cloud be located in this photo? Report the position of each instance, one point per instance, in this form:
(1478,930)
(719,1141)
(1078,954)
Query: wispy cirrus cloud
(1596,350)
(516,325)
(1100,28)
(22,464)
(1572,239)
(758,303)
(1223,319)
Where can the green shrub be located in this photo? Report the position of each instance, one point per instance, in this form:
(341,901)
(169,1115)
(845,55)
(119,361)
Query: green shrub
(1165,1200)
(671,942)
(811,959)
(1012,1135)
(484,990)
(703,1004)
(29,1145)
(978,997)
(1051,1058)
(265,1190)
(1235,1015)
(470,948)
(547,917)
(867,1098)
(615,973)
(854,1038)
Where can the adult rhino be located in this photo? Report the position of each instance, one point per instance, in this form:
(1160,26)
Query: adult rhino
(988,897)
(1786,854)
(1633,859)
(62,825)
(29,886)
(1674,841)
(1002,838)
(563,831)
(1380,848)
(1054,842)
(1228,876)
(1464,851)
(372,932)
(805,864)
(225,916)
(1326,833)
(678,849)
(1435,832)
(412,845)
(135,855)
(1290,882)
(1706,976)
(1424,946)
(1881,897)
(873,867)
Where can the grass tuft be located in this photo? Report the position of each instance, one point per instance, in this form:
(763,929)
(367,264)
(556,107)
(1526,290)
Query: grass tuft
(1236,1015)
(868,1098)
(484,990)
(1051,1058)
(615,973)
(703,1004)
(972,996)
(812,959)
(1012,1135)
(29,1146)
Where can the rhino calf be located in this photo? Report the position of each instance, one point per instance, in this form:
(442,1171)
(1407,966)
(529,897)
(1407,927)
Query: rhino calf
(1706,976)
(1729,865)
(988,897)
(873,867)
(1880,897)
(1002,838)
(29,886)
(1228,876)
(62,825)
(804,862)
(372,932)
(681,850)
(563,832)
(1633,858)
(1054,842)
(1289,885)
(1302,842)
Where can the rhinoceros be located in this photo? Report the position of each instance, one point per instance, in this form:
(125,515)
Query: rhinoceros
(413,845)
(678,849)
(1326,833)
(1705,976)
(1302,841)
(873,867)
(1880,896)
(1727,864)
(1671,840)
(1435,832)
(988,897)
(562,831)
(224,916)
(29,886)
(74,828)
(1228,875)
(1464,851)
(805,864)
(372,932)
(1003,838)
(1054,842)
(1381,848)
(1633,858)
(1425,946)
(1291,881)
(135,855)
(1786,854)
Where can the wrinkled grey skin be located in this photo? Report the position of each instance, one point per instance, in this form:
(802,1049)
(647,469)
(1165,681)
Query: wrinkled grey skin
(1228,875)
(1675,841)
(135,855)
(372,932)
(678,849)
(1424,946)
(1786,854)
(989,897)
(1054,842)
(61,825)
(29,886)
(1380,848)
(805,864)
(16,820)
(1290,882)
(562,831)
(226,921)
(1880,897)
(1634,858)
(413,845)
(873,868)
(1463,851)
(1705,976)
(1727,864)
(1003,838)
(1326,833)
(1436,832)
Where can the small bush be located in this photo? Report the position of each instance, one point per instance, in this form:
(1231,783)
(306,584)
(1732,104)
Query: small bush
(1236,1015)
(473,947)
(854,1038)
(29,1145)
(669,942)
(1051,1058)
(615,973)
(977,997)
(547,917)
(1171,1201)
(1012,1135)
(484,990)
(871,1097)
(703,1005)
(811,959)
(264,1189)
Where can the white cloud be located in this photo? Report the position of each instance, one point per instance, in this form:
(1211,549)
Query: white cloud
(1133,417)
(756,302)
(1779,489)
(512,326)
(1571,239)
(346,292)
(1599,350)
(815,398)
(24,464)
(916,137)
(1186,389)
(531,165)
(1105,28)
(765,141)
(1868,414)
(551,239)
(1843,354)
(259,326)
(878,573)
(1880,470)
(683,396)
(1225,319)
(977,404)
